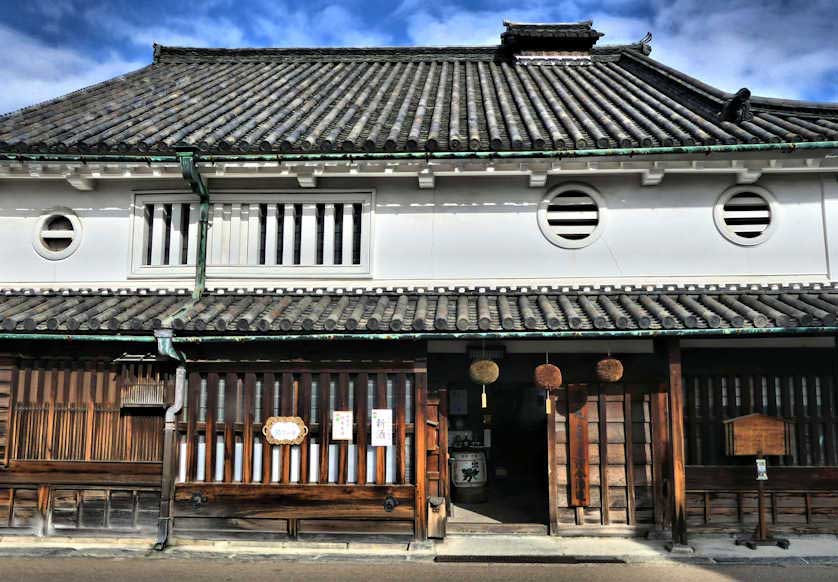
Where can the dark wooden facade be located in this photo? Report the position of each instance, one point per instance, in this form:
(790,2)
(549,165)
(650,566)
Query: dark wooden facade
(75,460)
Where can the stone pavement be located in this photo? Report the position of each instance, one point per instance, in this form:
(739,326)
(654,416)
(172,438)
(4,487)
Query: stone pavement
(709,549)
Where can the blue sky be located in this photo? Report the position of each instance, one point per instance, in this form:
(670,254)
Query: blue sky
(778,48)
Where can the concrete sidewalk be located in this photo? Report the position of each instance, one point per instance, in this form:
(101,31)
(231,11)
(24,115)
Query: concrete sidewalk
(709,549)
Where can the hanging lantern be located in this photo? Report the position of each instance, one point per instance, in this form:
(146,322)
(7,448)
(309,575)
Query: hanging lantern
(609,370)
(548,377)
(483,372)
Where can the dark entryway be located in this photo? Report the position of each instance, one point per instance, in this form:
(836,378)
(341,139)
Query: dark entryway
(512,433)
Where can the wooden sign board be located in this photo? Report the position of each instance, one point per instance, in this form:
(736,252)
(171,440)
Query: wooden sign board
(342,425)
(578,459)
(382,427)
(285,430)
(757,435)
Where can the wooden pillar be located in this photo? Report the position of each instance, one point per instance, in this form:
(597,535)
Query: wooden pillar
(552,466)
(420,530)
(677,476)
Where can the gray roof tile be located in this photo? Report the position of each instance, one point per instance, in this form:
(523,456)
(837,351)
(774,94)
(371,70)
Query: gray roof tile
(400,99)
(455,310)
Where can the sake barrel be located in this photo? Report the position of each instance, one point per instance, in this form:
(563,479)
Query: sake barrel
(468,476)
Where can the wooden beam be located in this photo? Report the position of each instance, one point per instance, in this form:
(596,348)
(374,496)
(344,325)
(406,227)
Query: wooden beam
(676,442)
(421,451)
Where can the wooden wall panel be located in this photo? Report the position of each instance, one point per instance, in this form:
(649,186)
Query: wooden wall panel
(8,372)
(619,458)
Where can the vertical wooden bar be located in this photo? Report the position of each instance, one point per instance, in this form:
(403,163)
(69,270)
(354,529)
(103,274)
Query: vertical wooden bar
(813,412)
(552,467)
(381,452)
(158,238)
(230,388)
(605,509)
(361,417)
(271,231)
(288,234)
(421,452)
(797,388)
(401,431)
(11,436)
(192,235)
(50,429)
(247,429)
(193,404)
(578,459)
(325,386)
(251,245)
(329,234)
(308,240)
(676,442)
(304,412)
(348,234)
(443,444)
(660,458)
(175,234)
(286,403)
(628,429)
(43,509)
(88,436)
(268,382)
(212,407)
(342,403)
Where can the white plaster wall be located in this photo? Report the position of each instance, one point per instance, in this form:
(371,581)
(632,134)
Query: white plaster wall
(471,229)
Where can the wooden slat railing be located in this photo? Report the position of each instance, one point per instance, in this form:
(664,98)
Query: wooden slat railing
(220,438)
(84,432)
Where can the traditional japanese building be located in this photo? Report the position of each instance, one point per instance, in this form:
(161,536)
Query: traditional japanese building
(242,290)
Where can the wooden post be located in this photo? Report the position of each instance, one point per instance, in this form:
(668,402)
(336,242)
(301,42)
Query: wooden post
(420,449)
(552,468)
(672,349)
(660,458)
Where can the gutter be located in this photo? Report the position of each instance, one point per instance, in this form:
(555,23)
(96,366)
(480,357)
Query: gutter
(191,153)
(500,335)
(189,169)
(444,335)
(166,348)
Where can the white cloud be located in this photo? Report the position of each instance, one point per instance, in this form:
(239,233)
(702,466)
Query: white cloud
(45,72)
(331,25)
(447,24)
(199,30)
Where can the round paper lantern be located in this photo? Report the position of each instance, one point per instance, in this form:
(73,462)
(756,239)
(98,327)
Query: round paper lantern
(548,377)
(483,372)
(609,370)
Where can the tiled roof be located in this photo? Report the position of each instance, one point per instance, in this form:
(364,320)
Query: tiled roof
(402,99)
(402,311)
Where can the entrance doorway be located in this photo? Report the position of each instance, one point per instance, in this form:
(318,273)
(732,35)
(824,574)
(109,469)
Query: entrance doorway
(510,435)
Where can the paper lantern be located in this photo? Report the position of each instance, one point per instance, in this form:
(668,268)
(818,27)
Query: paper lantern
(483,372)
(548,377)
(609,370)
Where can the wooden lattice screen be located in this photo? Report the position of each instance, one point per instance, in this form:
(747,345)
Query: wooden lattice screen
(220,430)
(808,401)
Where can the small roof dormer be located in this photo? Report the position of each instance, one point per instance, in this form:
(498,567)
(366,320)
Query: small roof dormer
(561,39)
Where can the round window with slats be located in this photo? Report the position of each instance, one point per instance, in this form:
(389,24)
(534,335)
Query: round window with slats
(57,234)
(746,215)
(571,216)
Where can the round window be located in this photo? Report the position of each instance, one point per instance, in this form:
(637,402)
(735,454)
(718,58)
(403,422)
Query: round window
(746,215)
(57,234)
(571,216)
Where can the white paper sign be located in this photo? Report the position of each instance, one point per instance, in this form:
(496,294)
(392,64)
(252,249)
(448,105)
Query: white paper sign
(382,427)
(342,425)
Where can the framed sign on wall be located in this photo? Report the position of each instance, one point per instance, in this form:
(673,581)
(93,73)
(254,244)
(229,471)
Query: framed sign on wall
(285,430)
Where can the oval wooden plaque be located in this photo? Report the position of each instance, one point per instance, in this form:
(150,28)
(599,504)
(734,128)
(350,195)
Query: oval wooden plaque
(285,430)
